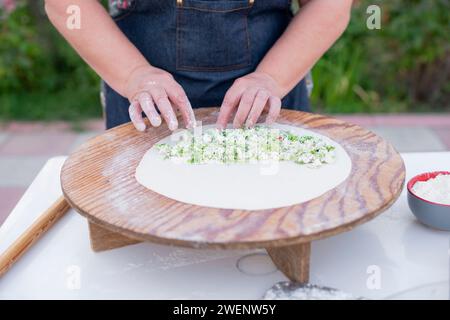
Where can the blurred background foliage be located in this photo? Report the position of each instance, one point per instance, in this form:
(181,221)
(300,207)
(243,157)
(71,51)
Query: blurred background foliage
(404,67)
(41,76)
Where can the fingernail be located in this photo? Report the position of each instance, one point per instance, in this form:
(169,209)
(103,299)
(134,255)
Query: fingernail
(140,126)
(155,121)
(249,123)
(192,121)
(173,124)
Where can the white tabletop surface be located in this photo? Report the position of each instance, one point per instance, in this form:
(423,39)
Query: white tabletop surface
(390,256)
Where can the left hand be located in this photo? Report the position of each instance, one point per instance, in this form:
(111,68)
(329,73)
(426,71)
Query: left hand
(250,94)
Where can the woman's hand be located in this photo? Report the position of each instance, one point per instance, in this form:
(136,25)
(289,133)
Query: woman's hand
(149,88)
(250,95)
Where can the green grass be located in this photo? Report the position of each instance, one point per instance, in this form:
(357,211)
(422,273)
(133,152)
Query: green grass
(70,105)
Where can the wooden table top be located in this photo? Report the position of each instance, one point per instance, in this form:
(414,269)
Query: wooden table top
(98,181)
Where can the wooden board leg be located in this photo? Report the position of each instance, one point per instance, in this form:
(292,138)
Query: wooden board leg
(293,261)
(103,239)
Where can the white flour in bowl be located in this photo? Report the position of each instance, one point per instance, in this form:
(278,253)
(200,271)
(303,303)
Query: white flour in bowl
(435,189)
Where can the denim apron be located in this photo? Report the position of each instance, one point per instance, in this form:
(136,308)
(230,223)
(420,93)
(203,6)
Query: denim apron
(204,44)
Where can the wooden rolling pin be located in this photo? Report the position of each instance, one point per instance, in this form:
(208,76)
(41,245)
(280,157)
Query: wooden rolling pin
(32,234)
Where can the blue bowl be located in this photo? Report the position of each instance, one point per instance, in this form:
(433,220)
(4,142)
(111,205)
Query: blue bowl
(432,214)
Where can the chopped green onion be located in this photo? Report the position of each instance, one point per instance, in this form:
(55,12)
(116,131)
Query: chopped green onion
(248,146)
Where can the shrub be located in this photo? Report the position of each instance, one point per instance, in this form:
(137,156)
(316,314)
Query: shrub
(41,75)
(405,66)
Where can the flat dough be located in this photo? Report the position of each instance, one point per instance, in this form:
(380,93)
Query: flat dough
(242,186)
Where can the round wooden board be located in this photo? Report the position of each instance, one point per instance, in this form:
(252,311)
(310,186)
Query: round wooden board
(98,181)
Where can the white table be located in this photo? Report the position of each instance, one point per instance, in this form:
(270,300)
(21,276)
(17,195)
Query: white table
(384,258)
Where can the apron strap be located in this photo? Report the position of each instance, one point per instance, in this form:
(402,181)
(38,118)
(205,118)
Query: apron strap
(180,2)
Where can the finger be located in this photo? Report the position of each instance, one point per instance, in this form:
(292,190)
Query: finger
(229,104)
(180,100)
(135,112)
(145,100)
(161,100)
(244,107)
(258,106)
(274,109)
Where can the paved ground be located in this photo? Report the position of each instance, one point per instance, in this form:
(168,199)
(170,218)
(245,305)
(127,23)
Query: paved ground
(25,147)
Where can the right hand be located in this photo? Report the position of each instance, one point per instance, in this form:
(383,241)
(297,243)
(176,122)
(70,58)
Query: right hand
(149,88)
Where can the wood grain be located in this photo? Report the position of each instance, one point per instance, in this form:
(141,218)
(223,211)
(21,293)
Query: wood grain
(103,239)
(293,260)
(98,181)
(32,234)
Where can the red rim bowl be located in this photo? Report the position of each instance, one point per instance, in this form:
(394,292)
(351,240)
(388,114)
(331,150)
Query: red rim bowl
(425,177)
(430,213)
